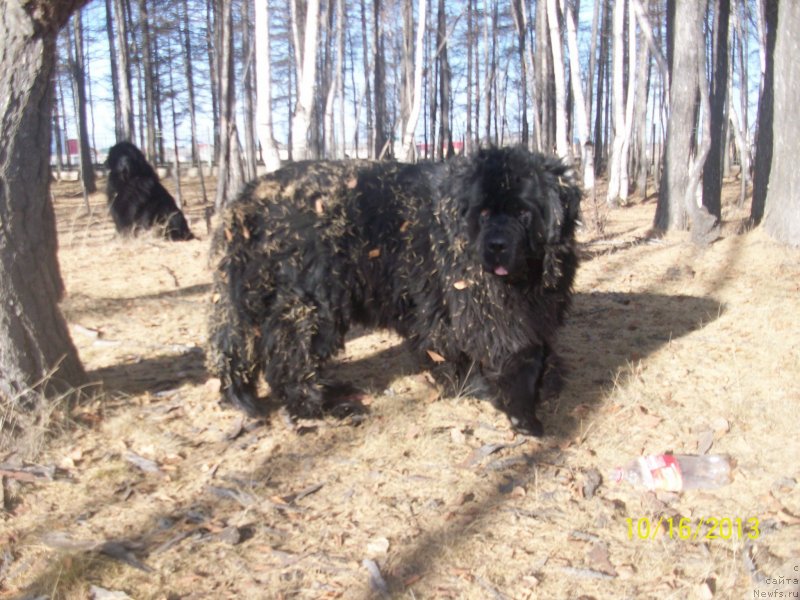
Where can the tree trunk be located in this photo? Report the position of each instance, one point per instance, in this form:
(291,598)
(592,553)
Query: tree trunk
(229,174)
(122,75)
(521,24)
(78,71)
(712,173)
(766,115)
(782,208)
(445,147)
(269,148)
(416,93)
(306,53)
(248,57)
(36,352)
(581,120)
(677,206)
(149,82)
(381,142)
(189,73)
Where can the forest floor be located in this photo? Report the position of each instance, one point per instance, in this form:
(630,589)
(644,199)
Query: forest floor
(152,489)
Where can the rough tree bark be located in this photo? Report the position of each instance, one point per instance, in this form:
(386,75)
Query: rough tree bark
(712,173)
(677,207)
(122,76)
(36,352)
(782,206)
(764,139)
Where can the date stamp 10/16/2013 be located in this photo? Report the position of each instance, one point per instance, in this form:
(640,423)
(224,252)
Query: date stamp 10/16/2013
(684,528)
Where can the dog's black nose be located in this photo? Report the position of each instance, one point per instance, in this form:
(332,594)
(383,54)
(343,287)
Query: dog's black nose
(496,244)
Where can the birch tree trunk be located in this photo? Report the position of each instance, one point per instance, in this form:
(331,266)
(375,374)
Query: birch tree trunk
(36,352)
(306,81)
(563,147)
(78,72)
(189,73)
(269,149)
(581,120)
(410,126)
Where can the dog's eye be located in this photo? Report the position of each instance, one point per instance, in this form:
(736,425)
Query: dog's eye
(485,214)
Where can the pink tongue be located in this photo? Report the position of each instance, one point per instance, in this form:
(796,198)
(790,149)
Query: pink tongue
(500,271)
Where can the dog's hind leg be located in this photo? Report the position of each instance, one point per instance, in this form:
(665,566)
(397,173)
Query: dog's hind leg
(231,356)
(290,360)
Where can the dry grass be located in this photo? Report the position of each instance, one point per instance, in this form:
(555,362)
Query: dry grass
(667,346)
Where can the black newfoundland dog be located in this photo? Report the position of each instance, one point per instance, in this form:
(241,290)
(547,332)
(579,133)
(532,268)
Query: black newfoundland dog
(471,261)
(136,198)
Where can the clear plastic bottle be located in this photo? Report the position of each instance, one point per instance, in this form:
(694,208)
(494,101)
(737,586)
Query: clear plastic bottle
(676,472)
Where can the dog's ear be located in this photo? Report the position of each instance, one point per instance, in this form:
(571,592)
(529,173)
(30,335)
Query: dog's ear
(561,209)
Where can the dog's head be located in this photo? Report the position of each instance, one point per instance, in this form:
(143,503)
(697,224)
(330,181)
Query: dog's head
(520,209)
(126,161)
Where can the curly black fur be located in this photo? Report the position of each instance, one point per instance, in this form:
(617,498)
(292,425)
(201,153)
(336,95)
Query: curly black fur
(136,198)
(472,260)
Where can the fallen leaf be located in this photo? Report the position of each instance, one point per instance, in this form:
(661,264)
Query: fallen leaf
(461,284)
(597,556)
(404,226)
(437,358)
(374,253)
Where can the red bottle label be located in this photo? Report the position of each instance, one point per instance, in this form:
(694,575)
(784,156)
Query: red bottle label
(661,472)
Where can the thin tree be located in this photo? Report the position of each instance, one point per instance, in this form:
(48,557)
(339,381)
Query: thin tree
(229,169)
(416,92)
(149,83)
(556,45)
(77,68)
(123,99)
(269,149)
(248,91)
(581,119)
(189,74)
(36,352)
(305,44)
(444,149)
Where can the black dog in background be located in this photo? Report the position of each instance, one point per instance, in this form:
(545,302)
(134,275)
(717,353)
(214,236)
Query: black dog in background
(136,198)
(471,260)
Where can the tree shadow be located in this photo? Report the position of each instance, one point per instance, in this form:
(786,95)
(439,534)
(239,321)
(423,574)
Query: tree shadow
(156,374)
(604,333)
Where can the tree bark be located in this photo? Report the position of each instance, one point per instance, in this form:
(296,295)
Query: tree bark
(269,149)
(122,76)
(78,71)
(766,115)
(149,82)
(782,208)
(416,93)
(36,352)
(712,173)
(189,73)
(306,53)
(677,207)
(562,143)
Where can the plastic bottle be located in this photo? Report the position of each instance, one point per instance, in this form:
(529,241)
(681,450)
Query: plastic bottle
(676,472)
